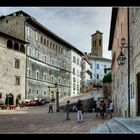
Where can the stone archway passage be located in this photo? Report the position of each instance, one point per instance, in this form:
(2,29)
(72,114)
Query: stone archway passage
(11,99)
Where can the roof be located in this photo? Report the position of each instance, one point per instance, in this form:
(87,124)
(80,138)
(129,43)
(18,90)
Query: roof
(96,33)
(9,36)
(98,58)
(112,27)
(35,23)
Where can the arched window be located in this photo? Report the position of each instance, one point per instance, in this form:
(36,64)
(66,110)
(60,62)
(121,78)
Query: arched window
(37,75)
(16,46)
(9,44)
(30,73)
(22,48)
(44,41)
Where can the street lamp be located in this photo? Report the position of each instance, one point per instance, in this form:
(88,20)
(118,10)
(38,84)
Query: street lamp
(121,61)
(57,98)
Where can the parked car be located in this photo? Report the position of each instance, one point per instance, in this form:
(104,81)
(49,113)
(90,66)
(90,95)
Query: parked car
(43,101)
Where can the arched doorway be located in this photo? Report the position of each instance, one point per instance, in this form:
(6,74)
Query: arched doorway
(10,99)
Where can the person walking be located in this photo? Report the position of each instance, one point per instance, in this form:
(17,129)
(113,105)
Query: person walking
(67,110)
(103,109)
(98,106)
(109,109)
(50,107)
(80,111)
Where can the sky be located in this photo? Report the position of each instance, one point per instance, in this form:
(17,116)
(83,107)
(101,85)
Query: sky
(73,24)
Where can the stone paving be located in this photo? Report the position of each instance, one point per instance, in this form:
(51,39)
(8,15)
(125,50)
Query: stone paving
(38,120)
(118,125)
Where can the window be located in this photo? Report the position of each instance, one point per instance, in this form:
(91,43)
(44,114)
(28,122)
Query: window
(17,63)
(37,54)
(45,58)
(30,90)
(44,92)
(41,39)
(74,59)
(17,80)
(97,66)
(16,46)
(37,75)
(28,31)
(91,66)
(44,41)
(100,42)
(36,91)
(74,80)
(9,44)
(78,61)
(97,76)
(59,80)
(50,45)
(74,71)
(45,76)
(30,73)
(74,86)
(47,43)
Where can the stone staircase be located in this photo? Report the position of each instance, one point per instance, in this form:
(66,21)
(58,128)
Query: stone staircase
(111,126)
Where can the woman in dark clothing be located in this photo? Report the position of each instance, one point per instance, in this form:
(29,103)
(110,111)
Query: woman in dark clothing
(103,109)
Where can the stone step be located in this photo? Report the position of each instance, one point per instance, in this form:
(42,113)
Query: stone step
(116,127)
(111,126)
(102,128)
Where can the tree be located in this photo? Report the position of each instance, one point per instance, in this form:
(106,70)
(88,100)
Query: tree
(107,78)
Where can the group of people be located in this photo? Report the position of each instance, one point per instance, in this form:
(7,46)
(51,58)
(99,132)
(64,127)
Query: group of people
(103,108)
(79,107)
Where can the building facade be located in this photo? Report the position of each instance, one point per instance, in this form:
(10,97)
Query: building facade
(98,64)
(49,58)
(134,22)
(12,69)
(76,70)
(119,30)
(86,75)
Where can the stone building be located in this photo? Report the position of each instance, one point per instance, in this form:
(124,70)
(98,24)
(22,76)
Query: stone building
(97,44)
(134,30)
(48,57)
(119,30)
(12,68)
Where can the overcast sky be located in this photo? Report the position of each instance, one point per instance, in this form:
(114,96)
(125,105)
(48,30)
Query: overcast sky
(74,24)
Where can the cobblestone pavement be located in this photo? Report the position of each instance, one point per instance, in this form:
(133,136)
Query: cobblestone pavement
(38,120)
